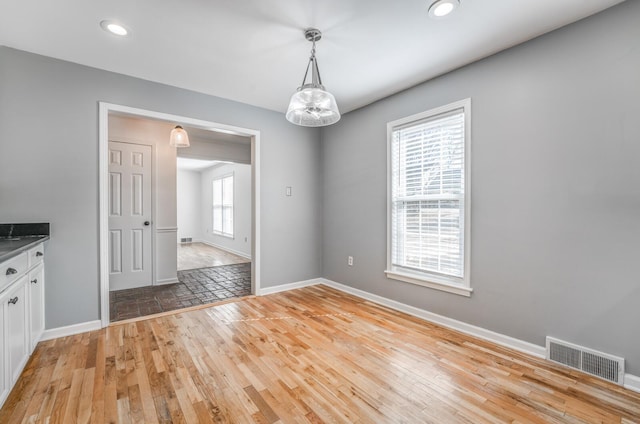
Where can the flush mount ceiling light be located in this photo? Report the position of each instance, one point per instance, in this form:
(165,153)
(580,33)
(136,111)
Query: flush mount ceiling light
(311,105)
(441,8)
(114,28)
(179,137)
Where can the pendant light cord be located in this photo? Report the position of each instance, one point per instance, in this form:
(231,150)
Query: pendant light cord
(312,59)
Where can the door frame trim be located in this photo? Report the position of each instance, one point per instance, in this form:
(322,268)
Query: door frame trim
(104,109)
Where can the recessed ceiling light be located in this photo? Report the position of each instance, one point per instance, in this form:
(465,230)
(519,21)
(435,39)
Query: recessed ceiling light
(114,28)
(441,8)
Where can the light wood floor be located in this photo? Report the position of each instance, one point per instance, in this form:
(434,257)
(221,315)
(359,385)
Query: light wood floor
(311,355)
(200,255)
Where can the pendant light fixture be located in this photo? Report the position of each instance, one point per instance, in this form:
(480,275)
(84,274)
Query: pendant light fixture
(311,105)
(179,137)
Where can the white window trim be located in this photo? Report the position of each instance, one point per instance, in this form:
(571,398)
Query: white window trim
(233,206)
(433,280)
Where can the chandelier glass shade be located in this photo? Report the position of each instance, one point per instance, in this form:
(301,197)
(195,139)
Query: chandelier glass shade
(311,105)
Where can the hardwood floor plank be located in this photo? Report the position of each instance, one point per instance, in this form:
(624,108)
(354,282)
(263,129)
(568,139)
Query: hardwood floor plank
(73,398)
(110,391)
(85,400)
(36,402)
(313,355)
(264,408)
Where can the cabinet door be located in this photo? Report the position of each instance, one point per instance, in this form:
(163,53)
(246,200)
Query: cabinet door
(4,378)
(17,337)
(36,304)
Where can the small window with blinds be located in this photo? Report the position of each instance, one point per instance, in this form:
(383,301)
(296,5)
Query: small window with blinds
(223,206)
(428,211)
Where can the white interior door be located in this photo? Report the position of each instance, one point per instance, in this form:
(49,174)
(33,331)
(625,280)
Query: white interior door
(130,258)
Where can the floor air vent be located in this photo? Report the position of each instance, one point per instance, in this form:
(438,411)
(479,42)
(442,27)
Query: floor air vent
(592,362)
(185,240)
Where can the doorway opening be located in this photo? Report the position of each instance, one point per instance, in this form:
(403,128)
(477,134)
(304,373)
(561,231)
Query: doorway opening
(229,145)
(214,217)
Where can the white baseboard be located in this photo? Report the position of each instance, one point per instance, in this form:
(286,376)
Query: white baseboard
(482,333)
(235,252)
(70,330)
(632,382)
(290,286)
(166,281)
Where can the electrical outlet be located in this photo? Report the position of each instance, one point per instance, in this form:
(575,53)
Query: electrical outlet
(288,191)
(350,260)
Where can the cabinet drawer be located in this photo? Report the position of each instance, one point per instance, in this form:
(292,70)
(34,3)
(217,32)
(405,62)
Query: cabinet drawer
(36,255)
(12,269)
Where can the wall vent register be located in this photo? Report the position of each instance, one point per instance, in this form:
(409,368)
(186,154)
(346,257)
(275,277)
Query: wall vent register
(603,365)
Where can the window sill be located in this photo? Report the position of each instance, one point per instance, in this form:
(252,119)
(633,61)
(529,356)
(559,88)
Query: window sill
(431,283)
(215,233)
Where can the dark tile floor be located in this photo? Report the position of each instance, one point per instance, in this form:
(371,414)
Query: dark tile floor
(195,287)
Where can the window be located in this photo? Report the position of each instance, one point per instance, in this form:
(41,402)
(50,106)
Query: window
(428,210)
(223,206)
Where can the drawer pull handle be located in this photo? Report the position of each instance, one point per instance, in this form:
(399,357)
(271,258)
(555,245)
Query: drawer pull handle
(11,271)
(34,281)
(39,254)
(13,301)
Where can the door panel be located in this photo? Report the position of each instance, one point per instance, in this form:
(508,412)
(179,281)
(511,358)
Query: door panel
(138,250)
(115,251)
(115,194)
(137,195)
(130,261)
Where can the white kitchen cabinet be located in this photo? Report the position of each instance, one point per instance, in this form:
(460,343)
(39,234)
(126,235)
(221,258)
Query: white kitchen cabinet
(16,325)
(21,313)
(36,305)
(4,378)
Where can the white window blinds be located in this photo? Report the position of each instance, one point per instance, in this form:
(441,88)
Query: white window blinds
(428,195)
(223,206)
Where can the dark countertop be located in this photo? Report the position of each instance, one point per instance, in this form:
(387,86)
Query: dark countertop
(10,247)
(16,238)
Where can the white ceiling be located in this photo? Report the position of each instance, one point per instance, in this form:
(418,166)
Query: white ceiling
(189,164)
(254,51)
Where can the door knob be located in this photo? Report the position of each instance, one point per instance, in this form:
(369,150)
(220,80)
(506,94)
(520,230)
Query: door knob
(147,223)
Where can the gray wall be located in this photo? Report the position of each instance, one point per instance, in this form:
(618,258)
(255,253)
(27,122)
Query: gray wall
(49,171)
(555,188)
